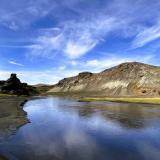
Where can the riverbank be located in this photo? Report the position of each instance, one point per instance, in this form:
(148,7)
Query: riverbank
(84,97)
(12,115)
(122,99)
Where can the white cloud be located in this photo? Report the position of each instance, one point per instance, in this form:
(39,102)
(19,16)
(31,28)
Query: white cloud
(46,46)
(53,75)
(21,13)
(74,38)
(93,62)
(84,35)
(75,50)
(35,77)
(146,36)
(18,64)
(78,32)
(73,63)
(62,67)
(50,29)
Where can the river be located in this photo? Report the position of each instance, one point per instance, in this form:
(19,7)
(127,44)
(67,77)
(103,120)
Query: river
(64,129)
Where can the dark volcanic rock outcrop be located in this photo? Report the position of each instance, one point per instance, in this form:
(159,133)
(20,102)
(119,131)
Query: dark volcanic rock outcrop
(127,79)
(14,86)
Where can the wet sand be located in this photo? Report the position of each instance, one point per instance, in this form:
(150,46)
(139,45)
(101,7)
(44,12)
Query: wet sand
(12,116)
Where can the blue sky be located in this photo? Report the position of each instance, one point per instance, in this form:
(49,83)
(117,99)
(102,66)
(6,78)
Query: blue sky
(44,41)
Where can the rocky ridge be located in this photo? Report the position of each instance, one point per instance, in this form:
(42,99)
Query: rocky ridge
(127,79)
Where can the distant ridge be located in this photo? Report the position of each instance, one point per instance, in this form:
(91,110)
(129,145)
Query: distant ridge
(126,79)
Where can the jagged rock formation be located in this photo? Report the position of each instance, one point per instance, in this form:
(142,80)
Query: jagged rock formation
(127,79)
(14,86)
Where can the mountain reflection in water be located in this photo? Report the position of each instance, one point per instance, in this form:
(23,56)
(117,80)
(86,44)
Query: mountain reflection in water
(66,129)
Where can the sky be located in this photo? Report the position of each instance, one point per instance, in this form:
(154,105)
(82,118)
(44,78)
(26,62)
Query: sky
(44,41)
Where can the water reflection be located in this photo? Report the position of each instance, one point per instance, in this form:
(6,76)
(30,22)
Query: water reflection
(127,114)
(66,129)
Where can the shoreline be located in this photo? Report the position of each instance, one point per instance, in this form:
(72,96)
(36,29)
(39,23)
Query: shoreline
(12,114)
(123,100)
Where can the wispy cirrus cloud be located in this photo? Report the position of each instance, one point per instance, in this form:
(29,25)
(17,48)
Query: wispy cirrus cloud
(146,36)
(21,13)
(78,37)
(15,63)
(74,39)
(84,26)
(86,34)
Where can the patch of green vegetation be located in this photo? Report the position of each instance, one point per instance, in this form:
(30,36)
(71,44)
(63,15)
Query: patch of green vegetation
(11,95)
(4,95)
(125,99)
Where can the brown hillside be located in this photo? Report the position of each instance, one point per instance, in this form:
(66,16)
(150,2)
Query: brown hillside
(127,79)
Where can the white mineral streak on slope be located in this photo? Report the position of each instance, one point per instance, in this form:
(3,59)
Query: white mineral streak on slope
(115,84)
(55,89)
(66,89)
(78,87)
(142,81)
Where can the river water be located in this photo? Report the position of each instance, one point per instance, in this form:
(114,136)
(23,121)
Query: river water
(64,129)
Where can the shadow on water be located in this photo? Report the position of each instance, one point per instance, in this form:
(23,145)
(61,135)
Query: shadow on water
(65,129)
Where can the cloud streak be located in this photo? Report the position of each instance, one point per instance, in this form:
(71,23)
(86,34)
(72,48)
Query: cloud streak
(75,35)
(17,64)
(21,13)
(74,39)
(146,36)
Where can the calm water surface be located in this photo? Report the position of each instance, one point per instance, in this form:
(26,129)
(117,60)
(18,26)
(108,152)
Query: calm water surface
(63,129)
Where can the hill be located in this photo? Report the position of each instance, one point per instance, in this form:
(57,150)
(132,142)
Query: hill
(42,88)
(126,79)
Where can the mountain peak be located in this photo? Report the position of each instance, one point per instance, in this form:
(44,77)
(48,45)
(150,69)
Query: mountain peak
(128,66)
